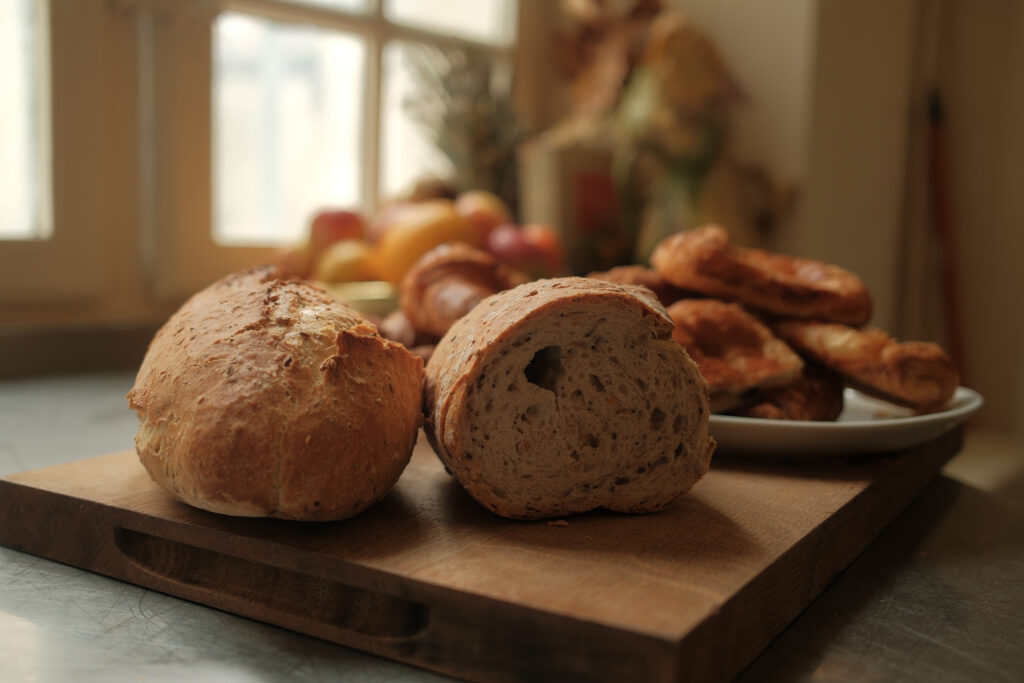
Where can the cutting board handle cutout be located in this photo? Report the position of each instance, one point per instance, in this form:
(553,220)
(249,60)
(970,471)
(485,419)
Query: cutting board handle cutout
(332,603)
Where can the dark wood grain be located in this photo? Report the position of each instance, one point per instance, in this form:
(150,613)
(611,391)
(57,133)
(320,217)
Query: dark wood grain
(429,577)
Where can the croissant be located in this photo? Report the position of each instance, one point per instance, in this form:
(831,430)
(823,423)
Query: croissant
(447,282)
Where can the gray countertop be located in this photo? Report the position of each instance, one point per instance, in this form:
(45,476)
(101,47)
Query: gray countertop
(938,596)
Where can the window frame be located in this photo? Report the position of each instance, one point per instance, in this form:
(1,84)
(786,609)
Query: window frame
(69,263)
(183,255)
(131,159)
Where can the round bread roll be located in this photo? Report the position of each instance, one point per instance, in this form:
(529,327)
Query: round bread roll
(736,354)
(560,396)
(816,395)
(265,397)
(666,292)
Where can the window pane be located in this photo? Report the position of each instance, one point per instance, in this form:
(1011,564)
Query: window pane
(287,127)
(21,148)
(360,6)
(486,21)
(408,151)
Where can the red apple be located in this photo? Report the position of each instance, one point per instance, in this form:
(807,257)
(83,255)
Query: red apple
(506,243)
(534,249)
(297,259)
(547,245)
(484,210)
(332,225)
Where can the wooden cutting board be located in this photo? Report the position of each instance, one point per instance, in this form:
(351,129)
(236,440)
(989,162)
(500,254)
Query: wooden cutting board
(430,578)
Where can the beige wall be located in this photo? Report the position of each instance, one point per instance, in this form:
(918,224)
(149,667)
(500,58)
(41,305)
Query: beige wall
(828,99)
(769,46)
(981,69)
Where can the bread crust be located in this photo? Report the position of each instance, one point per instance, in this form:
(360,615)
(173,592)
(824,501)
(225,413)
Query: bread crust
(736,353)
(535,454)
(919,375)
(643,276)
(263,396)
(705,260)
(816,395)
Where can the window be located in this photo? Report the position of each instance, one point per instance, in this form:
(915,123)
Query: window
(296,110)
(56,110)
(299,107)
(147,147)
(24,197)
(287,126)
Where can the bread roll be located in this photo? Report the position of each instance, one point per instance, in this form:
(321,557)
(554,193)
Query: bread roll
(565,395)
(736,354)
(919,375)
(266,397)
(705,260)
(816,395)
(666,292)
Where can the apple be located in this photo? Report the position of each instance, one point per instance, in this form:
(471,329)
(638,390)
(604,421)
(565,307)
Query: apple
(346,260)
(331,225)
(484,210)
(507,244)
(385,217)
(419,227)
(547,244)
(297,259)
(535,249)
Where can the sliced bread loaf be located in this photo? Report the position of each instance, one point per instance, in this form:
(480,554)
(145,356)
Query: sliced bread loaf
(560,396)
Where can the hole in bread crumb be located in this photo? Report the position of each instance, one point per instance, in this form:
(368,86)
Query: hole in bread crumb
(657,418)
(596,381)
(545,368)
(593,441)
(677,424)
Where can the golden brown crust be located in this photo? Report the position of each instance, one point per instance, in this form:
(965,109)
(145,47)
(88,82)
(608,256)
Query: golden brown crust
(919,375)
(447,282)
(563,395)
(263,396)
(644,277)
(735,352)
(816,395)
(706,261)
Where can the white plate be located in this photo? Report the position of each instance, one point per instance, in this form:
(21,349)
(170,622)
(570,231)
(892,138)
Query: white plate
(866,425)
